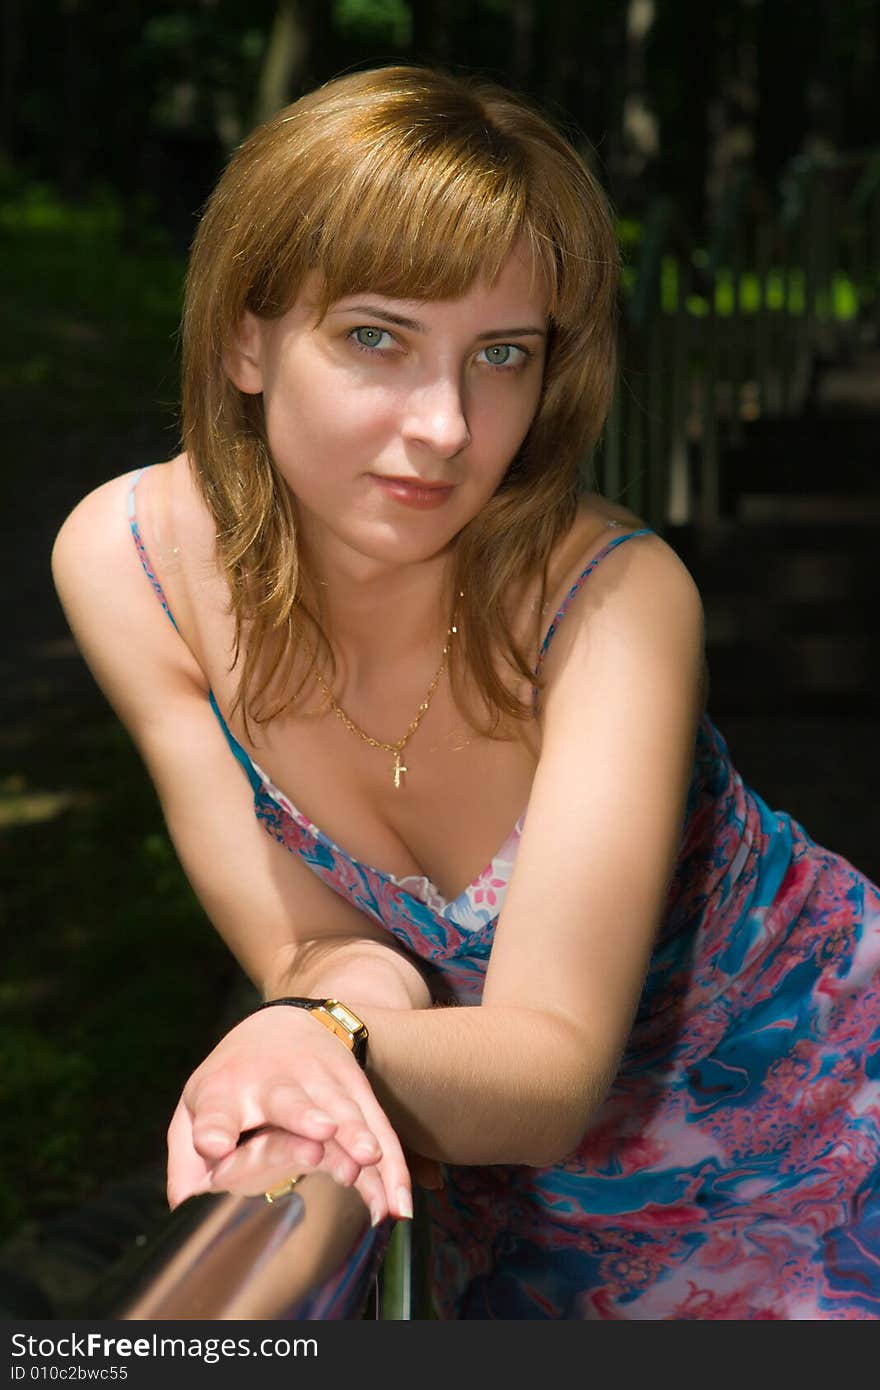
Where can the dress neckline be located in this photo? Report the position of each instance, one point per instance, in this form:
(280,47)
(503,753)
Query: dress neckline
(419,886)
(430,894)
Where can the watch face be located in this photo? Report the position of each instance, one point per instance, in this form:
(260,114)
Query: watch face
(346,1025)
(344,1015)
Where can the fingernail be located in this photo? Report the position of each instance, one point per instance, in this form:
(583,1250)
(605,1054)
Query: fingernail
(366,1145)
(319,1117)
(375,1214)
(341,1176)
(216,1136)
(404,1203)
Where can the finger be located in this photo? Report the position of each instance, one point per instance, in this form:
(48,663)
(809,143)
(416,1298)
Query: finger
(353,1131)
(365,1132)
(221,1116)
(188,1174)
(321,1110)
(275,1150)
(392,1166)
(340,1165)
(217,1121)
(287,1105)
(278,1147)
(265,1161)
(372,1191)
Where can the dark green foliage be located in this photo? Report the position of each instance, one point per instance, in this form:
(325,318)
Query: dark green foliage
(113,982)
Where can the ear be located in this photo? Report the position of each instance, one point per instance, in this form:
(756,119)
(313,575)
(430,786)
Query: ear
(243,358)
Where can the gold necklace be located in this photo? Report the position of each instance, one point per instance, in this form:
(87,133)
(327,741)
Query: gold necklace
(399,768)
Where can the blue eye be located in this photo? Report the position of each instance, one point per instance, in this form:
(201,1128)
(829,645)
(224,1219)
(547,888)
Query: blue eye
(505,355)
(369,338)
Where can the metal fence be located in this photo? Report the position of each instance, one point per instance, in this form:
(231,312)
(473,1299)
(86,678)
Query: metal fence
(714,335)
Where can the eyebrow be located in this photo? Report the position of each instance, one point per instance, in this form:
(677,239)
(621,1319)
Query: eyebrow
(399,321)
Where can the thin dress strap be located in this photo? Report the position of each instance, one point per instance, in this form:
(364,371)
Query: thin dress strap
(578,584)
(233,742)
(141,548)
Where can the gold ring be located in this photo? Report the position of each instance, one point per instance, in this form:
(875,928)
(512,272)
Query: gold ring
(283,1189)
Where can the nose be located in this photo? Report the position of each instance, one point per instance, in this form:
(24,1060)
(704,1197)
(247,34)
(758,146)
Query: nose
(436,418)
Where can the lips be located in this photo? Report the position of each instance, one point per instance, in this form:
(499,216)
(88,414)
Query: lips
(414,492)
(412,482)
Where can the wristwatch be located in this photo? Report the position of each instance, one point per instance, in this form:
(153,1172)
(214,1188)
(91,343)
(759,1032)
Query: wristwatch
(336,1016)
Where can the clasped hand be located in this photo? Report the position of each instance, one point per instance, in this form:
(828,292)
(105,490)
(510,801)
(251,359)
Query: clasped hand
(280,1096)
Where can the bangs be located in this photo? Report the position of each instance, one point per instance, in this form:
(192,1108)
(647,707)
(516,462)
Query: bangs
(413,209)
(421,223)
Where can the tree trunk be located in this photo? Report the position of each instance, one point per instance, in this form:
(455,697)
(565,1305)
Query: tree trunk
(286,58)
(12,48)
(72,160)
(733,115)
(522,18)
(637,143)
(431,31)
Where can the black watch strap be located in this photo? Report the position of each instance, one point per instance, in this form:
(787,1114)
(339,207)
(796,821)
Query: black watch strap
(335,1016)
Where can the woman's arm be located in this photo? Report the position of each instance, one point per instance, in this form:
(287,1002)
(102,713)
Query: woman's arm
(262,899)
(268,906)
(524,1074)
(519,1079)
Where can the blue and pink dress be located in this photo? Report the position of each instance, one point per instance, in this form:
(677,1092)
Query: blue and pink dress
(732,1172)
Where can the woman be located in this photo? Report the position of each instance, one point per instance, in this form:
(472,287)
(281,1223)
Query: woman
(388,599)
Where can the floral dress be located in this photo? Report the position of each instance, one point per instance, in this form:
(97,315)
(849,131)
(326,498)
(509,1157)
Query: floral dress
(732,1171)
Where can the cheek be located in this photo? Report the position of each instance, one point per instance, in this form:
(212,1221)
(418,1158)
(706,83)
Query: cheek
(504,423)
(314,421)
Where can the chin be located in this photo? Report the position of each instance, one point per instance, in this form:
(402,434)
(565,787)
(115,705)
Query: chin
(403,544)
(379,539)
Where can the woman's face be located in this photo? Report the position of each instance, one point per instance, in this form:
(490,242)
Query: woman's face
(394,421)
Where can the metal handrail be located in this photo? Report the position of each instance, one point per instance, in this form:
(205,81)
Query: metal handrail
(311,1255)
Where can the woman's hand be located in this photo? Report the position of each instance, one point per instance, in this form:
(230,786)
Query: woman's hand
(280,1096)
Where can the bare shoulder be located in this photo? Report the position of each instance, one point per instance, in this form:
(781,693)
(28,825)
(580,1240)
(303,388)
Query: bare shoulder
(91,525)
(645,561)
(98,529)
(93,555)
(113,608)
(640,599)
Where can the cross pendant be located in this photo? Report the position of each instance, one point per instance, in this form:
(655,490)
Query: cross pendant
(399,770)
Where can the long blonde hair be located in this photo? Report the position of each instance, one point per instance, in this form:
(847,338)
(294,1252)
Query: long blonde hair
(410,183)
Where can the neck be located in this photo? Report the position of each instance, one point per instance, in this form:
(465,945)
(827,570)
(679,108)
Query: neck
(375,614)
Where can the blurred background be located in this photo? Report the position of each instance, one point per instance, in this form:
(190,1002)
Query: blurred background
(739,142)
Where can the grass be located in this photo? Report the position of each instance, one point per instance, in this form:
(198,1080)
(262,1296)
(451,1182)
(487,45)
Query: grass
(92,323)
